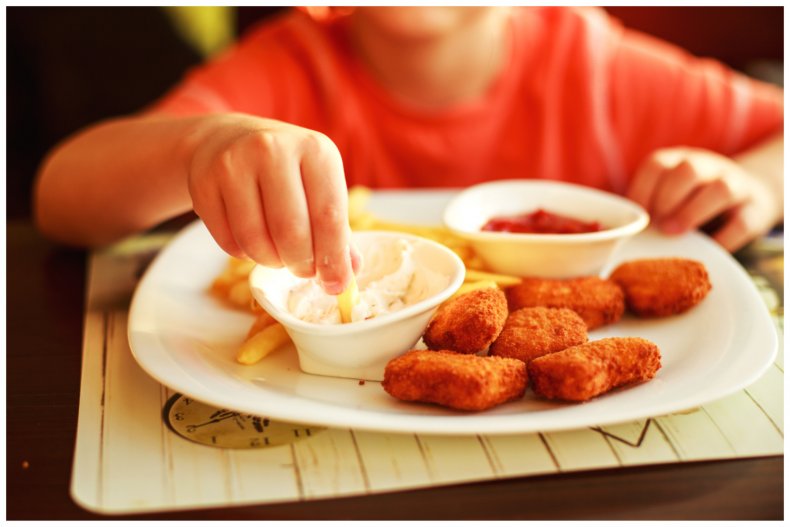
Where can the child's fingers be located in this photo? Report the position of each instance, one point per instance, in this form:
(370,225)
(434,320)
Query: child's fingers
(644,182)
(738,229)
(210,207)
(706,203)
(674,187)
(246,220)
(753,214)
(648,176)
(327,198)
(286,211)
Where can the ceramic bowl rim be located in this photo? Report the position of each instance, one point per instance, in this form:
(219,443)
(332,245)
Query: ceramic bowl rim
(640,221)
(426,304)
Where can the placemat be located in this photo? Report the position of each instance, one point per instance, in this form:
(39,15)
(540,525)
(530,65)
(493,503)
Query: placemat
(132,454)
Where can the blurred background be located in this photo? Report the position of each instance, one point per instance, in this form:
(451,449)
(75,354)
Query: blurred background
(71,66)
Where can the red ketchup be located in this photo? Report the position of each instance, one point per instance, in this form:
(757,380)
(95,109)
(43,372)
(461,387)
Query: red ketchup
(540,222)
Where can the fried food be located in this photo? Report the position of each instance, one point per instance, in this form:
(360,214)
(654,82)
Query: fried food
(662,286)
(231,285)
(263,321)
(532,332)
(597,301)
(469,323)
(260,344)
(463,382)
(585,371)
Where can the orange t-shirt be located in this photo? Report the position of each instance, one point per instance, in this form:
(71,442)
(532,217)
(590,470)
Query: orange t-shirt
(582,100)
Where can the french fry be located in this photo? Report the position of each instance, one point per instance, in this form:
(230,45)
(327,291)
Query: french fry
(347,300)
(472,286)
(503,280)
(263,321)
(261,344)
(241,268)
(438,234)
(239,294)
(474,262)
(255,307)
(363,221)
(222,282)
(231,284)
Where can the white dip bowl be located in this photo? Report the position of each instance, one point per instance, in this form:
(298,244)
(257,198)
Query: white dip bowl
(544,255)
(360,350)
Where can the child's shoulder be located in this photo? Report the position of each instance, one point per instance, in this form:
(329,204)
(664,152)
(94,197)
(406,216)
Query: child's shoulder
(554,15)
(288,23)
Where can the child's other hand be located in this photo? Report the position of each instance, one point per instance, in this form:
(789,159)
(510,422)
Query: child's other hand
(273,192)
(685,188)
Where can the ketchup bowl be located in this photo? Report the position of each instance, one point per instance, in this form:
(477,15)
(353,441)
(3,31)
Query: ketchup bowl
(580,228)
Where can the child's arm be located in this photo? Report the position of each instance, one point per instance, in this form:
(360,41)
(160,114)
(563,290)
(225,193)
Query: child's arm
(265,189)
(684,188)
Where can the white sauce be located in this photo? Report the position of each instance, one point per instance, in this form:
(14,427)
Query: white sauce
(389,280)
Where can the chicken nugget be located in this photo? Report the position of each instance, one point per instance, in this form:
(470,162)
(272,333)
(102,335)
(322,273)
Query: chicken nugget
(585,371)
(661,287)
(463,382)
(468,323)
(597,301)
(531,332)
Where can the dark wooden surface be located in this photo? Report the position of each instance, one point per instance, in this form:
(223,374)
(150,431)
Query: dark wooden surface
(45,302)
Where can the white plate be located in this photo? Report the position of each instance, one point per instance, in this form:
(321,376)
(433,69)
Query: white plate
(186,340)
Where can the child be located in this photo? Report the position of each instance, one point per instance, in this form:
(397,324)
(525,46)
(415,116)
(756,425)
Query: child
(262,142)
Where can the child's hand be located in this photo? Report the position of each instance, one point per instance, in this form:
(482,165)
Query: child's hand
(273,192)
(684,188)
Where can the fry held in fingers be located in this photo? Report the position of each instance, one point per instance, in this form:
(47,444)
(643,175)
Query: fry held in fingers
(582,372)
(347,300)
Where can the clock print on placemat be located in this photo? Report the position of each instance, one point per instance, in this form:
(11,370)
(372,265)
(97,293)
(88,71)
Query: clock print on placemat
(209,425)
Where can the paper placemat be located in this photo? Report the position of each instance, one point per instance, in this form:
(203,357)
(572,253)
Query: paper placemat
(130,456)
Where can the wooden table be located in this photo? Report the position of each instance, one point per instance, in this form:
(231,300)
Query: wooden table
(45,303)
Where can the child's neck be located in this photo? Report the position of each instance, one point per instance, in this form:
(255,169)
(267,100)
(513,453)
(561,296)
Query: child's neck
(438,72)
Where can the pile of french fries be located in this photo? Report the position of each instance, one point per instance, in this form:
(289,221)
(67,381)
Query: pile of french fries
(267,335)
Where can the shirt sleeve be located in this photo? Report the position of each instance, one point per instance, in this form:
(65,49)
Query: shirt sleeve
(662,96)
(236,80)
(263,74)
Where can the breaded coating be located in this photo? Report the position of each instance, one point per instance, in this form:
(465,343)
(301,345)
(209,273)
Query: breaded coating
(463,382)
(597,301)
(662,286)
(585,371)
(469,323)
(532,332)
